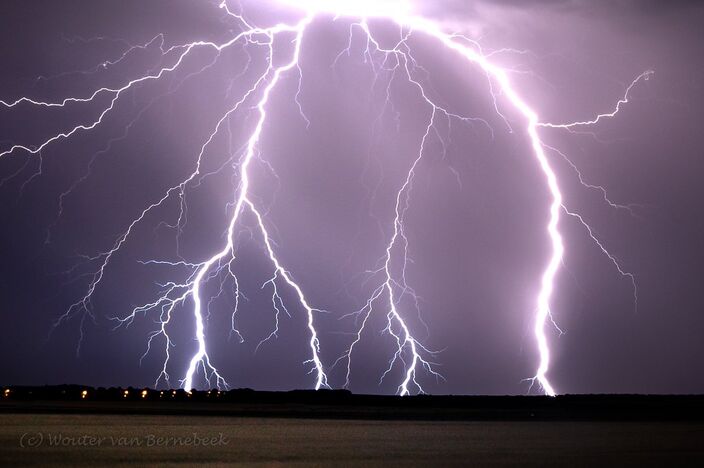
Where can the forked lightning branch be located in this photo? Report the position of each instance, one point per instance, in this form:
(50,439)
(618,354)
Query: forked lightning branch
(411,359)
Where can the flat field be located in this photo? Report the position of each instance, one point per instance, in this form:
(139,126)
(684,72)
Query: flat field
(134,440)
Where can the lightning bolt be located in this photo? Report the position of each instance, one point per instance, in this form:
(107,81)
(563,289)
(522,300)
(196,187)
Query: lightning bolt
(390,273)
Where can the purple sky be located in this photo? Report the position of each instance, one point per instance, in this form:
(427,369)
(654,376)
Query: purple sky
(476,222)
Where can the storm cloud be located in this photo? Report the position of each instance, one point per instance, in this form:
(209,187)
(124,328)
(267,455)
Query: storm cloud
(476,225)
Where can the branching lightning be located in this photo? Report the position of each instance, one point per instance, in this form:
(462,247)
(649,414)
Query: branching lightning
(391,286)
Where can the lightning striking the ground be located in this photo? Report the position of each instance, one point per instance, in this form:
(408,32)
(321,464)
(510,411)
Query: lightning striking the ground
(411,359)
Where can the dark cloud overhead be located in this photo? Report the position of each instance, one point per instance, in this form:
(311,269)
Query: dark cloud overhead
(598,7)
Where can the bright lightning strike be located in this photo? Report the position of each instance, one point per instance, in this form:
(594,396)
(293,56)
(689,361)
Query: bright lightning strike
(410,354)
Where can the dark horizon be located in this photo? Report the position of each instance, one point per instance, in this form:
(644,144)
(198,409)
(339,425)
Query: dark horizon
(343,405)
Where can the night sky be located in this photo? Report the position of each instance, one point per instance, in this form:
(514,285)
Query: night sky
(475,224)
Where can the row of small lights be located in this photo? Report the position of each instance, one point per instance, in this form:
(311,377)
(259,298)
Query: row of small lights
(143,393)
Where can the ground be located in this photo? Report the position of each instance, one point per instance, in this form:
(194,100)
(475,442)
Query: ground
(27,439)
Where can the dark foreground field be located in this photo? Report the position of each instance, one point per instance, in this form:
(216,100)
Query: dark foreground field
(100,440)
(107,427)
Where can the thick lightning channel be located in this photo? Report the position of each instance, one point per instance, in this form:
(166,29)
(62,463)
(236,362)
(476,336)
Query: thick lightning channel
(499,77)
(399,61)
